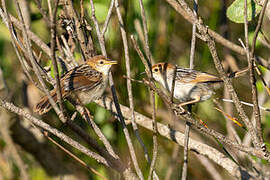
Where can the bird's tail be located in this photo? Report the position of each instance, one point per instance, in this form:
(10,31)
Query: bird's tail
(43,106)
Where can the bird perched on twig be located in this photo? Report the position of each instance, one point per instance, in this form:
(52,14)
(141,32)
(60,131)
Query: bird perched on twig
(88,81)
(191,86)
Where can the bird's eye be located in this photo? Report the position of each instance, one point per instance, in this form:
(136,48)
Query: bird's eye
(101,62)
(156,70)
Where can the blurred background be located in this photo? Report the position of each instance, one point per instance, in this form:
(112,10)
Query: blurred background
(169,38)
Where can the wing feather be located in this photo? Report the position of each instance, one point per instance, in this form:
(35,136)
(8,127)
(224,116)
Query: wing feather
(193,76)
(81,78)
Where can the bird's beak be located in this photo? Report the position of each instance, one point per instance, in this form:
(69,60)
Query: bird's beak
(111,62)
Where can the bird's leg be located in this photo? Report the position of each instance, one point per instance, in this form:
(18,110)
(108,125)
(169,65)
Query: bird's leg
(180,106)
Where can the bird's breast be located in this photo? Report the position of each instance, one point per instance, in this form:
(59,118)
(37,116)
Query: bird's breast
(93,94)
(182,91)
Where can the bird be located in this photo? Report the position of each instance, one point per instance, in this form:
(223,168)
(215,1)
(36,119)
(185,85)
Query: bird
(88,81)
(191,86)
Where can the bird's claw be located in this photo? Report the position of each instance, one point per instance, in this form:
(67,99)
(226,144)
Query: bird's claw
(179,110)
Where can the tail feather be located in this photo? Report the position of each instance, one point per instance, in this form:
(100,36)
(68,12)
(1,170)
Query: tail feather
(43,106)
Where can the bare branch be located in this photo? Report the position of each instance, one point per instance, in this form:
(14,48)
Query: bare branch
(191,65)
(115,98)
(178,137)
(182,8)
(129,85)
(73,156)
(145,32)
(55,66)
(63,137)
(108,18)
(256,110)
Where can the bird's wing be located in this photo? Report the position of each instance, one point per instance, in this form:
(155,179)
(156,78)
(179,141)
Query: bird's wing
(81,78)
(193,76)
(205,77)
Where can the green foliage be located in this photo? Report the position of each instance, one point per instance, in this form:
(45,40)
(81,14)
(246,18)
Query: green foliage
(50,64)
(250,39)
(102,171)
(38,174)
(236,11)
(259,85)
(101,118)
(101,10)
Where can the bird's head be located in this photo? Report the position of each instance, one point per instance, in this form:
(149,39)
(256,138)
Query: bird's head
(161,71)
(101,63)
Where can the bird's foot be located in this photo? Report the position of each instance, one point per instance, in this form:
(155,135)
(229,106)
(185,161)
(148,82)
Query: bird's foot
(178,109)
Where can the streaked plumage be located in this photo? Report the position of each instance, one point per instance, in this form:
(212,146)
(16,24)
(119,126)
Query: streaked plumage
(190,85)
(88,81)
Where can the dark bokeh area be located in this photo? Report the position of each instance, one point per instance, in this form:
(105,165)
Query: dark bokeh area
(169,40)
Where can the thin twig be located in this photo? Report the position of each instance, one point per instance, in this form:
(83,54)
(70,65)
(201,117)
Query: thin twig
(116,163)
(55,66)
(68,53)
(152,96)
(209,167)
(173,164)
(43,12)
(46,134)
(34,63)
(115,98)
(31,35)
(191,65)
(248,104)
(139,52)
(10,145)
(145,32)
(78,26)
(43,125)
(73,156)
(14,41)
(155,143)
(187,13)
(203,129)
(86,115)
(9,20)
(182,8)
(108,18)
(100,37)
(129,85)
(232,130)
(256,111)
(193,38)
(5,133)
(178,137)
(229,86)
(149,74)
(185,164)
(250,60)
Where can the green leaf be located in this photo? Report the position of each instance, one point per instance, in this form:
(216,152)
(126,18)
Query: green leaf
(236,11)
(259,86)
(250,39)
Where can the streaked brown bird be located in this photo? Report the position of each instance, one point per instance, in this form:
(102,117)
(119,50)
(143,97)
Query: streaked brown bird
(191,86)
(88,81)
